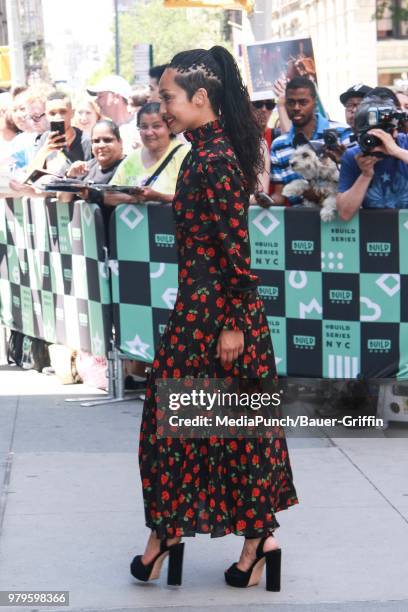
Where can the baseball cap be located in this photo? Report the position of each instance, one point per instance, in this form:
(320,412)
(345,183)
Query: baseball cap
(386,94)
(356,91)
(257,96)
(114,83)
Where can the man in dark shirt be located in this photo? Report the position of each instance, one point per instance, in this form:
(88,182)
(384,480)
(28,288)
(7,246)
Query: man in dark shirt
(56,151)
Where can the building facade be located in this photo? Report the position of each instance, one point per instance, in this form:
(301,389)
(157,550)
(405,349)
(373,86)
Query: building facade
(3,23)
(353,41)
(32,32)
(30,20)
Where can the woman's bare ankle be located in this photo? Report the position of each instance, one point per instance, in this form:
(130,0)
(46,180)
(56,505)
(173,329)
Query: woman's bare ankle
(271,543)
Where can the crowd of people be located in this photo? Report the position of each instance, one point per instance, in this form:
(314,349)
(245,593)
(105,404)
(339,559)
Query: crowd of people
(382,166)
(197,127)
(113,133)
(87,136)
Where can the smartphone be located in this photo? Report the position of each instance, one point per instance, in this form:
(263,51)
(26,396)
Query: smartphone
(264,199)
(58,126)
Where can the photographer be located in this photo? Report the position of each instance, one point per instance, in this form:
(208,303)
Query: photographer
(374,173)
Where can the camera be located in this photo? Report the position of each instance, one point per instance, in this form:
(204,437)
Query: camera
(376,115)
(385,115)
(331,138)
(368,142)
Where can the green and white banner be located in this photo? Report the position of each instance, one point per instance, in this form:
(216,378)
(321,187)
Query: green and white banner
(54,283)
(336,294)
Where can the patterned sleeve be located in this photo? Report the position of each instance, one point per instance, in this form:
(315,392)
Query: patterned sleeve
(276,167)
(228,204)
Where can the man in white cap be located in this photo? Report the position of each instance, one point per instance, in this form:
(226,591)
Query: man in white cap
(112,94)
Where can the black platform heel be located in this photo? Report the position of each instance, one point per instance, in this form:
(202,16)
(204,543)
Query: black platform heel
(272,559)
(152,570)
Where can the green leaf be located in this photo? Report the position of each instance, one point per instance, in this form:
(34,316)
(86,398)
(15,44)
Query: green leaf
(168,30)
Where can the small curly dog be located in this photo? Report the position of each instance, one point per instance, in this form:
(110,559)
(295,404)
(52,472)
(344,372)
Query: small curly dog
(319,183)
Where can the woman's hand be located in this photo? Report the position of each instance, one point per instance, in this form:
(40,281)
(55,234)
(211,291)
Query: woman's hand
(78,168)
(115,198)
(150,195)
(22,188)
(229,346)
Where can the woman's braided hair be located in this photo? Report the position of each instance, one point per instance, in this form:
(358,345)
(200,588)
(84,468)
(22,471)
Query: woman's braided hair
(216,71)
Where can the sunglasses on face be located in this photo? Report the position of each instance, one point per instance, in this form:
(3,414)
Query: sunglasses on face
(269,104)
(103,140)
(37,118)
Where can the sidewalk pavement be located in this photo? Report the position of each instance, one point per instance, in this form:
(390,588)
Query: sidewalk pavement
(71,515)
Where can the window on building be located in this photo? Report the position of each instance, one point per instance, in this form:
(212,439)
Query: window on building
(392,19)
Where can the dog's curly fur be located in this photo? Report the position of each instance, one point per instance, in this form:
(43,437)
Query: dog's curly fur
(320,174)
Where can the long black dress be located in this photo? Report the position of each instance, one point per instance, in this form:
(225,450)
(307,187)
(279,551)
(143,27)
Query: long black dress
(213,485)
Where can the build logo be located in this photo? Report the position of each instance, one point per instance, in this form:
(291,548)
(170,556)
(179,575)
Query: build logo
(379,345)
(164,240)
(304,247)
(67,274)
(378,248)
(268,293)
(304,342)
(340,296)
(83,319)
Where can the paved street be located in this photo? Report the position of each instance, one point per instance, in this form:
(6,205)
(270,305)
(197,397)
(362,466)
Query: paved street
(71,514)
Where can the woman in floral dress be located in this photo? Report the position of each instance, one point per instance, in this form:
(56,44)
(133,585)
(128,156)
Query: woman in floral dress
(218,329)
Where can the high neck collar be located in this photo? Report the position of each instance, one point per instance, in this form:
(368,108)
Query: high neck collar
(204,133)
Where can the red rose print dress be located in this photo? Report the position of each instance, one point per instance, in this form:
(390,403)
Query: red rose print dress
(212,485)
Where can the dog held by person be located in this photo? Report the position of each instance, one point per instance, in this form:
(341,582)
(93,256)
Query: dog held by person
(319,183)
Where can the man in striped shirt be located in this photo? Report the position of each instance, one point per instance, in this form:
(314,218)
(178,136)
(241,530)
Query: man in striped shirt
(301,108)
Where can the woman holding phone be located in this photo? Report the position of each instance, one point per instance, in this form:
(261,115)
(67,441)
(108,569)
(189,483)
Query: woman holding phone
(107,149)
(218,329)
(155,165)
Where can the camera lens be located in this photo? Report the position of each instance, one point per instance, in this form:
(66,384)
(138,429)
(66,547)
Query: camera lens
(330,138)
(368,142)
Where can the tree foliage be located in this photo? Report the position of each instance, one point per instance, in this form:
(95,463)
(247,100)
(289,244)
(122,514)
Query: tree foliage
(168,30)
(398,10)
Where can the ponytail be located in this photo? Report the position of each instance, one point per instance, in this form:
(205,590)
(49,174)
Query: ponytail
(241,124)
(217,72)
